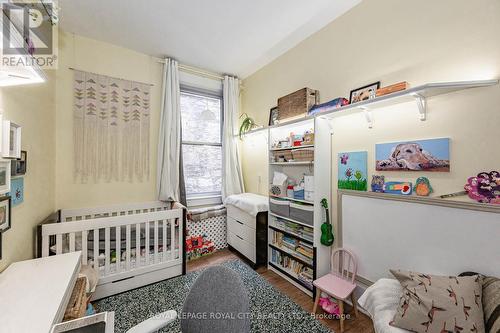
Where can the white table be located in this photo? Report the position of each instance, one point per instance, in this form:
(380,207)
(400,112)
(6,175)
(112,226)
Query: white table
(34,293)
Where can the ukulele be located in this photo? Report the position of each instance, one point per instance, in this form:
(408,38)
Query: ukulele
(326,227)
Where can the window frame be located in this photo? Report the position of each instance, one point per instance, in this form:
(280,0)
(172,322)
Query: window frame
(208,198)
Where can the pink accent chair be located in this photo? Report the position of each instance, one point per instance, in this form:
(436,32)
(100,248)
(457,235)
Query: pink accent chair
(339,283)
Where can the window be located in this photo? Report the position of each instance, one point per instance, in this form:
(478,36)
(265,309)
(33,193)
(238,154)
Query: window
(202,143)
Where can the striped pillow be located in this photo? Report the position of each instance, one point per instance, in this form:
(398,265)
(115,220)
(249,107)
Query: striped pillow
(491,304)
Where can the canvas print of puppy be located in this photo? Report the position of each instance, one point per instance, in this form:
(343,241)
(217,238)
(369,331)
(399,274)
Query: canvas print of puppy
(420,155)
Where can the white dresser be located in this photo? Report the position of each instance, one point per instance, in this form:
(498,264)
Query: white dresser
(34,293)
(247,234)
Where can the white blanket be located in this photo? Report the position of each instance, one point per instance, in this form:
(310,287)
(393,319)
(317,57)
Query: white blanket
(381,301)
(249,202)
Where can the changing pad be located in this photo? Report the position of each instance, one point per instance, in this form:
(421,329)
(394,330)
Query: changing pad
(248,202)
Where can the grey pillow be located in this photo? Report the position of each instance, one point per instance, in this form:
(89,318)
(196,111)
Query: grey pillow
(217,302)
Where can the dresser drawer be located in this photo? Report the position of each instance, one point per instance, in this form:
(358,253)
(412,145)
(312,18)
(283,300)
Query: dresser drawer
(240,215)
(245,248)
(240,229)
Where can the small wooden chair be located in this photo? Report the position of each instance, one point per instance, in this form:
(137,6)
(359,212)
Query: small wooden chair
(339,283)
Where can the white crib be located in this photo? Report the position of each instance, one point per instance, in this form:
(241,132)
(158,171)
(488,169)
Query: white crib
(129,245)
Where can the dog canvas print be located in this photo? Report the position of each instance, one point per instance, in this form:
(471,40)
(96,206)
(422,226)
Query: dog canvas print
(418,155)
(353,171)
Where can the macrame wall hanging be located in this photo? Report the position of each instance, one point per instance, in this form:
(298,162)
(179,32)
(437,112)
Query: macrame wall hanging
(111,128)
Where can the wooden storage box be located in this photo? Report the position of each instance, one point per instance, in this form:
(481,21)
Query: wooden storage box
(392,88)
(297,104)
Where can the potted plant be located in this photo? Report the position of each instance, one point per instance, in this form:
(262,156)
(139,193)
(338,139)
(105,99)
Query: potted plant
(247,125)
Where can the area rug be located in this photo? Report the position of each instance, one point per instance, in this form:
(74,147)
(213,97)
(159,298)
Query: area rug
(271,310)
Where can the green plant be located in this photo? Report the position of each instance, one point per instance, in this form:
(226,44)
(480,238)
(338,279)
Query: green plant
(246,125)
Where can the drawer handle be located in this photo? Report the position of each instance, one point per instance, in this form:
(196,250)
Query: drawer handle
(239,237)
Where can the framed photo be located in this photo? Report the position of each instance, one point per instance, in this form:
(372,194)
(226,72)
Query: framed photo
(18,167)
(16,191)
(4,213)
(364,93)
(273,116)
(11,140)
(4,176)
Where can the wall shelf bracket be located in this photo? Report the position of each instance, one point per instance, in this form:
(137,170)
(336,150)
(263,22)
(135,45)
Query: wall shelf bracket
(368,116)
(422,106)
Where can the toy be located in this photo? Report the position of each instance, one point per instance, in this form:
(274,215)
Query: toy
(326,228)
(329,306)
(331,105)
(378,183)
(485,187)
(423,187)
(403,188)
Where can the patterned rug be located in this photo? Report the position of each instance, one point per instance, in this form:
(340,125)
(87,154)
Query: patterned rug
(271,310)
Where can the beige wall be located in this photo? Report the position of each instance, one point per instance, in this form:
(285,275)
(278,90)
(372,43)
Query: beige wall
(32,107)
(102,58)
(391,41)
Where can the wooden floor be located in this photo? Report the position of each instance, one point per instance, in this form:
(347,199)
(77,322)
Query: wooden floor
(362,324)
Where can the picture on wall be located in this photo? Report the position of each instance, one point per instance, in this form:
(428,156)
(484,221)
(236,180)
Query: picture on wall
(18,166)
(352,171)
(273,116)
(17,191)
(11,140)
(418,155)
(4,176)
(4,213)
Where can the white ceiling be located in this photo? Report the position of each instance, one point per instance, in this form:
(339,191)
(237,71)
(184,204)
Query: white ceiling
(226,36)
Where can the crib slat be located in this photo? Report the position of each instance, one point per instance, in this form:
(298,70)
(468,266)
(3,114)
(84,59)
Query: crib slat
(137,245)
(45,246)
(164,234)
(179,235)
(118,240)
(59,244)
(156,241)
(146,247)
(128,250)
(96,249)
(71,242)
(84,247)
(107,254)
(172,239)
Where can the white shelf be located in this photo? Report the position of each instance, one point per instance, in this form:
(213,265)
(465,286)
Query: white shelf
(291,220)
(291,148)
(292,199)
(292,163)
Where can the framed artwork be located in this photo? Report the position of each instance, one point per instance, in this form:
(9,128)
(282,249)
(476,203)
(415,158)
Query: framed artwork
(4,213)
(364,93)
(352,171)
(273,116)
(11,140)
(4,176)
(18,166)
(418,155)
(17,191)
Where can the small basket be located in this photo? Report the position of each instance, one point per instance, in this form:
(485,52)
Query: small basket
(287,154)
(303,155)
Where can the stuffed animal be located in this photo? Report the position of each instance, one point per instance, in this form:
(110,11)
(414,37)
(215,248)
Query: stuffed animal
(423,187)
(329,306)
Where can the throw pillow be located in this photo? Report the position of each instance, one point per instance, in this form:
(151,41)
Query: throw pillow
(491,304)
(439,304)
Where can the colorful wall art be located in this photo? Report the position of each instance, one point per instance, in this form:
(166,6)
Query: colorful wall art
(418,155)
(352,171)
(17,191)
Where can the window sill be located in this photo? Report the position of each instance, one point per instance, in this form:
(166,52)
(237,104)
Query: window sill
(204,201)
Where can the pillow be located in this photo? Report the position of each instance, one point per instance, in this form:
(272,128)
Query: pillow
(491,304)
(439,304)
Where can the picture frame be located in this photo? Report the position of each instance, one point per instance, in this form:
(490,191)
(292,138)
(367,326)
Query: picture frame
(273,116)
(11,140)
(18,166)
(364,93)
(16,191)
(5,176)
(5,213)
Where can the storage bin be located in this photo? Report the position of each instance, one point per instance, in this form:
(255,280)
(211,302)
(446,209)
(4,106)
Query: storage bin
(279,207)
(299,195)
(302,213)
(303,155)
(285,154)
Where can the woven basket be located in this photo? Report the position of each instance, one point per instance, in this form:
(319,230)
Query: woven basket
(77,304)
(287,154)
(303,155)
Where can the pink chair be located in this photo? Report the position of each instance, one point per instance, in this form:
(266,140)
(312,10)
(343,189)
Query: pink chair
(339,283)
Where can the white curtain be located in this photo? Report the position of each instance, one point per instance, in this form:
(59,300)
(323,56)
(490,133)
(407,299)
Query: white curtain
(169,145)
(232,179)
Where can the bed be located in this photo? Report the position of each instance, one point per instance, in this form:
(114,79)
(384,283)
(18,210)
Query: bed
(128,245)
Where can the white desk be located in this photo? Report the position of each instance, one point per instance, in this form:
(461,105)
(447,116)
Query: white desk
(34,293)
